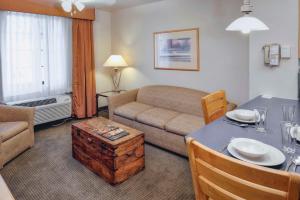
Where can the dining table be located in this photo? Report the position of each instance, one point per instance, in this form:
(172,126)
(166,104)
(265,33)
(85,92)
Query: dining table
(219,133)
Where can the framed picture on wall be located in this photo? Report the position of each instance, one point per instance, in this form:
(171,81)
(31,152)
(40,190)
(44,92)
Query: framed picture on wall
(177,50)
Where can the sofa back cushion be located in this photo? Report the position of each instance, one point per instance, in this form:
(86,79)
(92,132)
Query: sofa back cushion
(179,99)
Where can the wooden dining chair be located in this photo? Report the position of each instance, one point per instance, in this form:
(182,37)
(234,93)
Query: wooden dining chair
(219,177)
(214,106)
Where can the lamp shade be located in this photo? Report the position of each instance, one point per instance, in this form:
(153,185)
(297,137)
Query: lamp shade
(67,6)
(246,24)
(80,6)
(115,61)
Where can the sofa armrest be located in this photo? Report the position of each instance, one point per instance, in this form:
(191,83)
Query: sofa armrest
(231,106)
(121,99)
(15,113)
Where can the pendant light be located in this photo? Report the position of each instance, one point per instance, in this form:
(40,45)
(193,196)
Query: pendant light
(247,23)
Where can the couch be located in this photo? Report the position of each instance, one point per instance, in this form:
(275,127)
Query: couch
(166,114)
(16,131)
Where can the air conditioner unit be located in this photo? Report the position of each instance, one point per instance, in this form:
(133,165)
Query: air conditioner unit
(48,109)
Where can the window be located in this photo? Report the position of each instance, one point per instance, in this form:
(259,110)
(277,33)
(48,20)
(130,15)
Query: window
(35,56)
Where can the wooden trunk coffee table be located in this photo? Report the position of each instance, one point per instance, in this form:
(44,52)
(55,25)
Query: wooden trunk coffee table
(115,161)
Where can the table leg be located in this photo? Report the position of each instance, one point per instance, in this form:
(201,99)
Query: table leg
(97,106)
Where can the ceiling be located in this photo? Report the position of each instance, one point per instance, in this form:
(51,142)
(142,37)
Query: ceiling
(120,4)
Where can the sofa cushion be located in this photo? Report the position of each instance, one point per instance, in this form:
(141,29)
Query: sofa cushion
(131,110)
(185,124)
(11,129)
(157,117)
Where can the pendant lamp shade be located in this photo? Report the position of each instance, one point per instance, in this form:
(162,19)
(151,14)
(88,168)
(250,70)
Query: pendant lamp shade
(80,6)
(67,6)
(247,24)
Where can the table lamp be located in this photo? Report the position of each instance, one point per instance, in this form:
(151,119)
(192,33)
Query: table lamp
(116,62)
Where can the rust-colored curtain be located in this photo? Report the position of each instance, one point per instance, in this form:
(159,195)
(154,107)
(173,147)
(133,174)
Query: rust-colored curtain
(84,86)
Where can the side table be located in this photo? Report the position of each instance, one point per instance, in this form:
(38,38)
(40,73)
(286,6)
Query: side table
(106,95)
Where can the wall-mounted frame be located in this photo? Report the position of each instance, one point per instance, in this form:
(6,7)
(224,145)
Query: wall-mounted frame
(177,50)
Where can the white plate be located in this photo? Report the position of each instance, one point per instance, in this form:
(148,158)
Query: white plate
(243,114)
(249,148)
(231,115)
(274,157)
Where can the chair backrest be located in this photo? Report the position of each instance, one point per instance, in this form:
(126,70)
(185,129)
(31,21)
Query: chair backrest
(214,106)
(219,177)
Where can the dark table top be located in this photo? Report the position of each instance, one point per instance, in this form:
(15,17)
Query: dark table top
(218,134)
(109,93)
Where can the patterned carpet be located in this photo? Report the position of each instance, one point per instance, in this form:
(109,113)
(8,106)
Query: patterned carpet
(48,172)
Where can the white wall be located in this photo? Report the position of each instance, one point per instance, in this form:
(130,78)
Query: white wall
(224,55)
(282,19)
(102,47)
(230,61)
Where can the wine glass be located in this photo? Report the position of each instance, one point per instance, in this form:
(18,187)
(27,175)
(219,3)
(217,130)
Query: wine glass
(261,116)
(288,113)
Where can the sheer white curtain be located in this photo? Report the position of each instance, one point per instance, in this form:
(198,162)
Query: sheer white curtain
(59,51)
(35,56)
